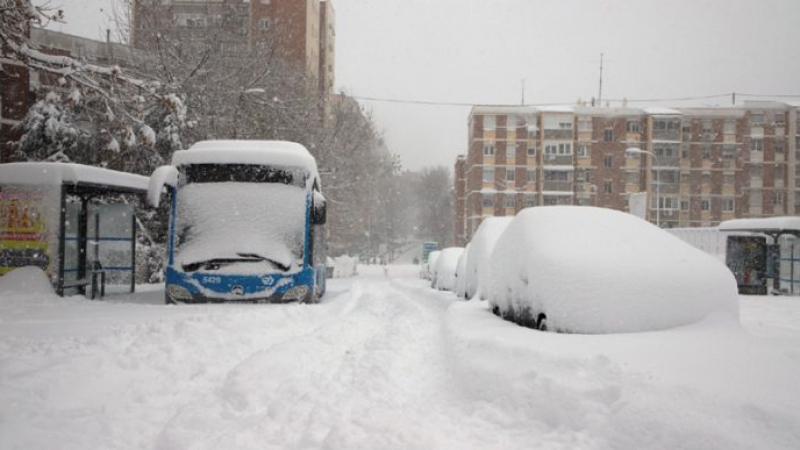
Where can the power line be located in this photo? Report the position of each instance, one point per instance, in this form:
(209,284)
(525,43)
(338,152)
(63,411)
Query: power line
(629,100)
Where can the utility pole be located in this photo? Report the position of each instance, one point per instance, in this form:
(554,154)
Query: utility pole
(600,93)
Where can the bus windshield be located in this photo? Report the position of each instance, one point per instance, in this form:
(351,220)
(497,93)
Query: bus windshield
(241,219)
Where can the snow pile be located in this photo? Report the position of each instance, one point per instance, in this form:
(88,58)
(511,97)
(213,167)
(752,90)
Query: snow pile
(461,273)
(24,285)
(344,266)
(230,220)
(595,270)
(480,249)
(445,272)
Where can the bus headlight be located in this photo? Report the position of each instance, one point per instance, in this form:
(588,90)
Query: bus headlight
(296,293)
(178,292)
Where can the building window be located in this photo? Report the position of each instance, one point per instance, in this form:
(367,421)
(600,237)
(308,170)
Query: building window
(488,174)
(780,146)
(634,126)
(728,179)
(511,122)
(729,127)
(532,175)
(777,198)
(684,205)
(530,201)
(557,175)
(706,179)
(705,204)
(584,124)
(511,201)
(488,201)
(564,125)
(665,203)
(756,145)
(608,161)
(728,205)
(488,149)
(531,151)
(666,151)
(608,135)
(488,123)
(706,152)
(510,174)
(608,187)
(583,151)
(757,118)
(264,24)
(561,149)
(666,124)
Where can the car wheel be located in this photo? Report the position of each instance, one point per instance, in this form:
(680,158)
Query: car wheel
(496,310)
(542,323)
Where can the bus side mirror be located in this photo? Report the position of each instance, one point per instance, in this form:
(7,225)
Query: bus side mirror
(319,213)
(164,175)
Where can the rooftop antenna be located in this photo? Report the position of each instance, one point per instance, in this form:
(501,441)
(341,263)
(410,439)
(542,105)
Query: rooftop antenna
(600,93)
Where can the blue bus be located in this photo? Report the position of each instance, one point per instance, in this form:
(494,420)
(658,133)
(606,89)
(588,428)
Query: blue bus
(246,223)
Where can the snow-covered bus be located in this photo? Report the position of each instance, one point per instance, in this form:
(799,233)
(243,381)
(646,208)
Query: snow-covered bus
(246,223)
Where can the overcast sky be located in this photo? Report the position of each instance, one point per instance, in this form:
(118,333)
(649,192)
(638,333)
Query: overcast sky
(478,51)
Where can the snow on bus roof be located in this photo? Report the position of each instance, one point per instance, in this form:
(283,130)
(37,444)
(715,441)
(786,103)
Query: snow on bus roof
(49,173)
(279,153)
(766,224)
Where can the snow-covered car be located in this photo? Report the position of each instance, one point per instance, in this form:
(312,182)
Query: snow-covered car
(593,270)
(461,273)
(444,273)
(429,267)
(481,246)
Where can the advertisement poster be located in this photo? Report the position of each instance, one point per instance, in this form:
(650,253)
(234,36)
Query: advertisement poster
(24,239)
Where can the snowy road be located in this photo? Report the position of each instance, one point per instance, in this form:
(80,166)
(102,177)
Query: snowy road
(385,363)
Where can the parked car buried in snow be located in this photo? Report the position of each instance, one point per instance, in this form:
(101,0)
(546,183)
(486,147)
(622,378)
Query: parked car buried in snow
(593,270)
(444,274)
(480,250)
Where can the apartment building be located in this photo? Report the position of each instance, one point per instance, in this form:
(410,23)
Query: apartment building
(297,32)
(707,164)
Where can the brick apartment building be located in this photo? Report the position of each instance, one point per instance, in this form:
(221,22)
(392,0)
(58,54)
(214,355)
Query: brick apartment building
(711,164)
(19,85)
(298,32)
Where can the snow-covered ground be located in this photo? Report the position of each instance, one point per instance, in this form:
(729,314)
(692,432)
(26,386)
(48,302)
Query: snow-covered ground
(385,362)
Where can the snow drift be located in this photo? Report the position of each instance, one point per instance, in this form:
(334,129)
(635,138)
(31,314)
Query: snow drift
(595,270)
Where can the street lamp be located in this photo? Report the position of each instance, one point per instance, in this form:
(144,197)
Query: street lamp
(634,150)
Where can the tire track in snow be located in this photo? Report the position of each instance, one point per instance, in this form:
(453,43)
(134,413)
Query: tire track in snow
(369,379)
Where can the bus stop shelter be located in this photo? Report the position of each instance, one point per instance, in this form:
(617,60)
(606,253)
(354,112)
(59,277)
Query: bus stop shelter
(782,256)
(75,222)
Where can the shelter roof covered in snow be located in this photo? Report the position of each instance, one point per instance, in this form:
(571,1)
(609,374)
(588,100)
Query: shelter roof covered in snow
(780,225)
(48,173)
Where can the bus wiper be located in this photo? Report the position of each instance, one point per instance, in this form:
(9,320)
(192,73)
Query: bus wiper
(258,257)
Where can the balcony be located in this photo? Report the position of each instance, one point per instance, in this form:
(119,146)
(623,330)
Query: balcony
(666,135)
(558,134)
(560,186)
(558,160)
